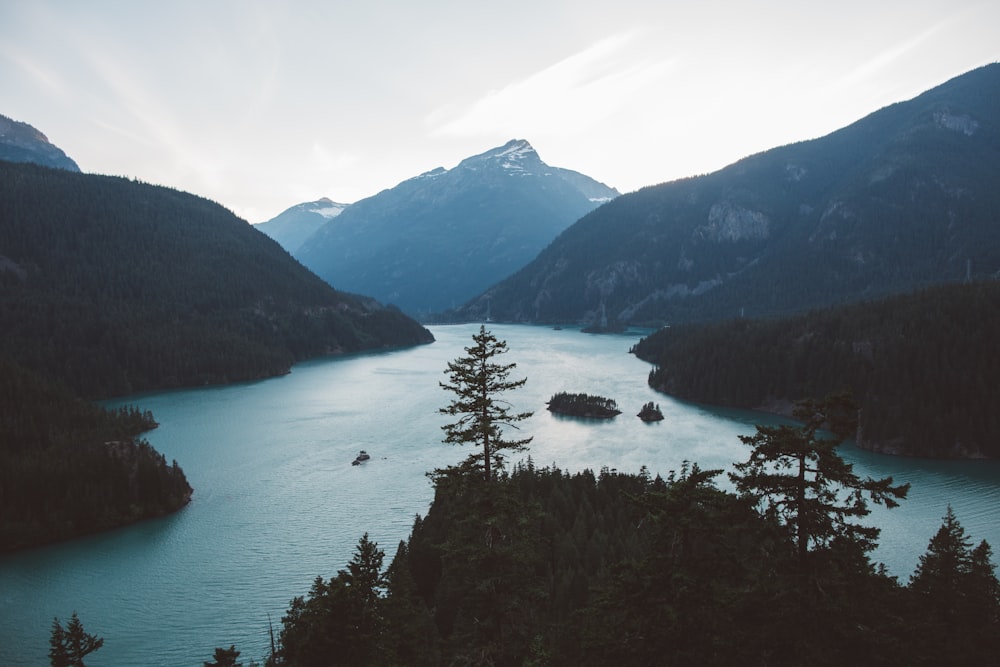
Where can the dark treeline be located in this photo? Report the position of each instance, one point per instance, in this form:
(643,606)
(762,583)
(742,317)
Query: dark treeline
(69,467)
(548,568)
(115,286)
(583,405)
(923,367)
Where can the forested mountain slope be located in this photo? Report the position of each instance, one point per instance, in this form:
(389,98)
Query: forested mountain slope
(114,286)
(923,367)
(904,198)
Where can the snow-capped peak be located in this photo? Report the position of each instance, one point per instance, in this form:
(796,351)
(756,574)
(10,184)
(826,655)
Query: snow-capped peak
(512,156)
(325,207)
(516,149)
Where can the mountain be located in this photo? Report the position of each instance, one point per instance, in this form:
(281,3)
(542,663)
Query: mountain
(440,238)
(904,198)
(20,142)
(112,286)
(293,226)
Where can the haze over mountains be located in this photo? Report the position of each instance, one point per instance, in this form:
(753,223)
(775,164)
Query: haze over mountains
(905,197)
(294,225)
(438,239)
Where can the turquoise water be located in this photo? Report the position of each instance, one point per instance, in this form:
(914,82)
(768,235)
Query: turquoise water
(277,501)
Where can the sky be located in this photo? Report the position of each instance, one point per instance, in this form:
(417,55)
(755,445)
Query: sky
(264,104)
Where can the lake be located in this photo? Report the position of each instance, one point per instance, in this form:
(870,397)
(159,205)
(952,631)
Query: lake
(277,501)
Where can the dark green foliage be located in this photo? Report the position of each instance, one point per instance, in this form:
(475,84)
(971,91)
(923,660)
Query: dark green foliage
(225,657)
(479,383)
(504,565)
(116,286)
(650,412)
(69,467)
(410,636)
(902,199)
(541,567)
(957,598)
(922,367)
(583,405)
(704,588)
(68,647)
(340,622)
(799,477)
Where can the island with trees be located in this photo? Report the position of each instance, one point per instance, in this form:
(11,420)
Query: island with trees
(583,405)
(650,412)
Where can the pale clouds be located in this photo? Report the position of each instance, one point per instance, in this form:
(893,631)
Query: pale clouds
(880,61)
(572,97)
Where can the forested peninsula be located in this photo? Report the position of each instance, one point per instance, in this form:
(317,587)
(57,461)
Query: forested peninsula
(110,286)
(922,367)
(69,467)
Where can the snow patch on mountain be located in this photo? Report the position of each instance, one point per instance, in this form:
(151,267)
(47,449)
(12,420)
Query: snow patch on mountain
(328,209)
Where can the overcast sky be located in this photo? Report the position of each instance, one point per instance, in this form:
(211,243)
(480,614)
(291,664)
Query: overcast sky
(261,105)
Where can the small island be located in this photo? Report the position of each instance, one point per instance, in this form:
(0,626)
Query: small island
(650,413)
(583,405)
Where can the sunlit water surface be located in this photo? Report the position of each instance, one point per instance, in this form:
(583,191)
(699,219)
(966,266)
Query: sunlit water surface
(277,501)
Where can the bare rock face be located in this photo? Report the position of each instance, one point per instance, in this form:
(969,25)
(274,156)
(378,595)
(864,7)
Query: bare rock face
(729,222)
(20,142)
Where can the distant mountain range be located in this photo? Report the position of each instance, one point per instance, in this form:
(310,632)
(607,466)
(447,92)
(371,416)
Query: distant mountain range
(904,198)
(438,239)
(293,226)
(20,142)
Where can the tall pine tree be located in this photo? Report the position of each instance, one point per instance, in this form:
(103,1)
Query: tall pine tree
(68,647)
(478,381)
(802,479)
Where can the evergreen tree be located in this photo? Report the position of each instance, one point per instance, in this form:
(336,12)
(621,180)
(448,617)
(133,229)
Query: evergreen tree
(957,603)
(948,559)
(805,482)
(225,657)
(340,622)
(68,647)
(958,580)
(477,382)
